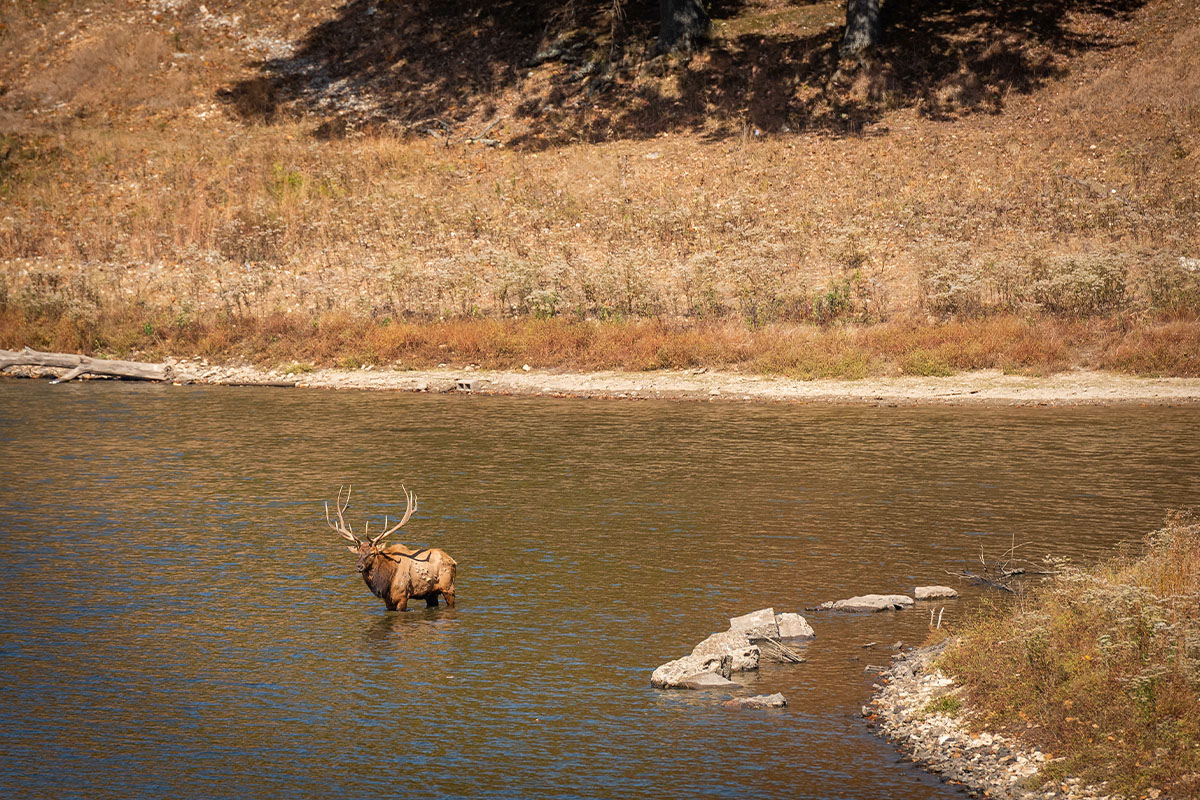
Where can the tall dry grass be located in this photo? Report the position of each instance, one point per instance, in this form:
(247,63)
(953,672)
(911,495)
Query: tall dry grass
(1027,345)
(1101,668)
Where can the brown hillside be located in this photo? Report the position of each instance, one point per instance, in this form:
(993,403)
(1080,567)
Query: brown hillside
(192,176)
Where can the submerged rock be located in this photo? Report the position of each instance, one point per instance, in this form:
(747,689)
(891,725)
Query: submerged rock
(871,602)
(934,592)
(707,680)
(776,700)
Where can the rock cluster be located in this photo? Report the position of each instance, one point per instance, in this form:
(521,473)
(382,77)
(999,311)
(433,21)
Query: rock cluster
(721,653)
(730,651)
(989,764)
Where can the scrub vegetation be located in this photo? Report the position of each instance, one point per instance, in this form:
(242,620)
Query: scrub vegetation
(370,182)
(1100,668)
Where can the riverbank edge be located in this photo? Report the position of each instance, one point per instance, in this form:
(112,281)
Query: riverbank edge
(985,387)
(902,710)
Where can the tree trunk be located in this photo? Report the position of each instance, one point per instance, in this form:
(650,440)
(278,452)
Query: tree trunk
(78,365)
(863,27)
(683,24)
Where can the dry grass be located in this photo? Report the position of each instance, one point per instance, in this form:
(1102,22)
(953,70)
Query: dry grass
(1077,206)
(1101,668)
(1029,345)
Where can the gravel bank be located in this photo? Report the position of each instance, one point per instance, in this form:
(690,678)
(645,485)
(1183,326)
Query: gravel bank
(986,764)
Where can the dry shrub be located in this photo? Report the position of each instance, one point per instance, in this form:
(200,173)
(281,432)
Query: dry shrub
(1101,667)
(1078,285)
(1172,285)
(953,284)
(949,283)
(54,295)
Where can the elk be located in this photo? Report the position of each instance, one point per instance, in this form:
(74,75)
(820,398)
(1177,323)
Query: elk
(393,572)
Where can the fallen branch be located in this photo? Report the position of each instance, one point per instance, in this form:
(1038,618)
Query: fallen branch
(77,365)
(981,579)
(775,650)
(482,136)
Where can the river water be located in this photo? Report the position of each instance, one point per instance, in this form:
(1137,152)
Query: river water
(177,621)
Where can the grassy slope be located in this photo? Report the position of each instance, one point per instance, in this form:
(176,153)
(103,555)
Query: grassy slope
(1101,669)
(296,181)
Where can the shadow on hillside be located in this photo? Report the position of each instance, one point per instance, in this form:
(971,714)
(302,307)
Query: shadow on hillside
(574,70)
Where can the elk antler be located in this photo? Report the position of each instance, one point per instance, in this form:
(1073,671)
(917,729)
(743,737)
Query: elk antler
(411,506)
(340,527)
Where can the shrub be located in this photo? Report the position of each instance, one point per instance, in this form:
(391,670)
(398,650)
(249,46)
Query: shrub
(1173,285)
(1077,285)
(948,282)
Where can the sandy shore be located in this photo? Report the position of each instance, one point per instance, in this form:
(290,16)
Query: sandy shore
(985,387)
(989,387)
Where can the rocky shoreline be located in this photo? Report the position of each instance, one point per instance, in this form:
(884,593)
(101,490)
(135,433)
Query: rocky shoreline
(984,388)
(905,710)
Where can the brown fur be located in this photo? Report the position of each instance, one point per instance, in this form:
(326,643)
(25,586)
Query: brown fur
(395,573)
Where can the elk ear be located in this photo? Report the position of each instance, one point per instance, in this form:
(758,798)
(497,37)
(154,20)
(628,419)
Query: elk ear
(352,549)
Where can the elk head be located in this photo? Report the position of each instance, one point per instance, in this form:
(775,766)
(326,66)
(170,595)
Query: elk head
(367,548)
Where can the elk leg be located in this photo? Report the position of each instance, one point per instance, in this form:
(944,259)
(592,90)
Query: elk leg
(402,605)
(431,600)
(449,598)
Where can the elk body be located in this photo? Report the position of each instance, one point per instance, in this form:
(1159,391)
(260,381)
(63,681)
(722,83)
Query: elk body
(393,572)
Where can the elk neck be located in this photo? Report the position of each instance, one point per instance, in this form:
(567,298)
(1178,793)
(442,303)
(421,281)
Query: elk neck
(378,575)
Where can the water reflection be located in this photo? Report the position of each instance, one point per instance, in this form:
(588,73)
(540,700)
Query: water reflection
(175,618)
(422,628)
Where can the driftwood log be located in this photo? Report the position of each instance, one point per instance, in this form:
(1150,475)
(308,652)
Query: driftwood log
(77,365)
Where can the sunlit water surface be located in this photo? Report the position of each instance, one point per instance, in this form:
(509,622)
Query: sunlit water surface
(177,621)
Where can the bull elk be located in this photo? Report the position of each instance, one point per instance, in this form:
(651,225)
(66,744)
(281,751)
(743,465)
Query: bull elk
(394,573)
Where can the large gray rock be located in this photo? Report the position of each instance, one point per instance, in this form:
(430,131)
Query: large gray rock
(874,602)
(744,659)
(793,626)
(776,700)
(757,624)
(934,592)
(675,674)
(732,644)
(720,643)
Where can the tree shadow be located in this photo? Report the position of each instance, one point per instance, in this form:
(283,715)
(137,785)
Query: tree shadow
(586,70)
